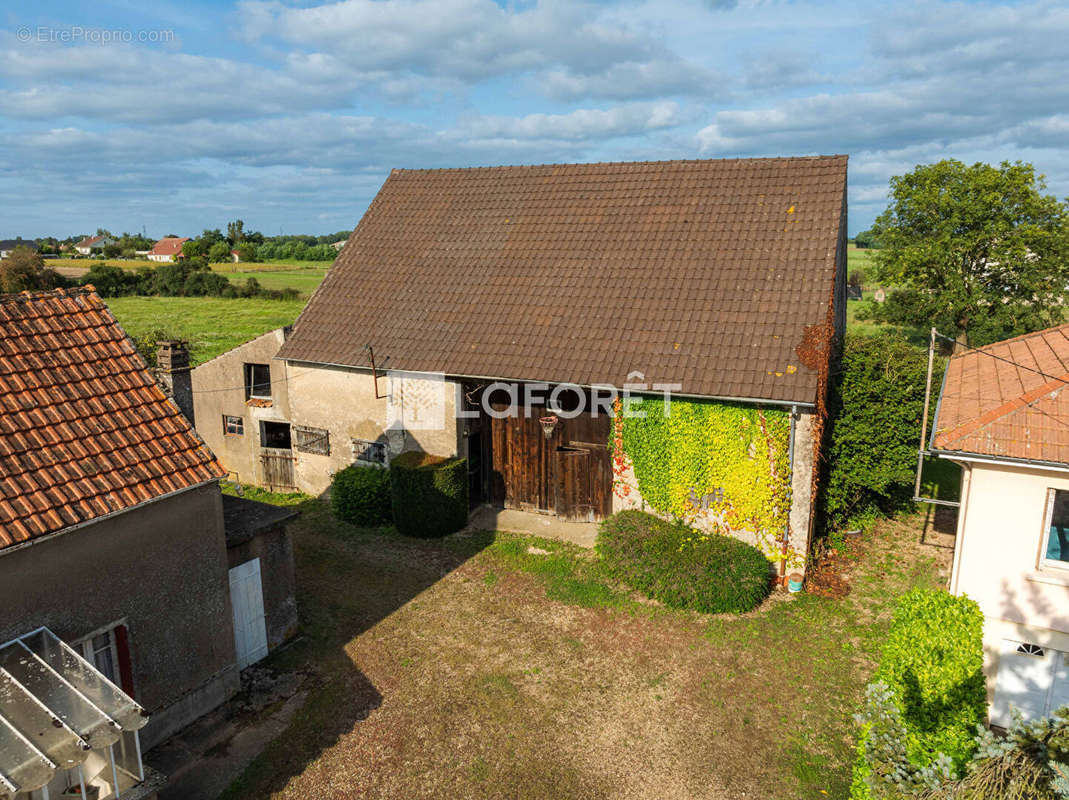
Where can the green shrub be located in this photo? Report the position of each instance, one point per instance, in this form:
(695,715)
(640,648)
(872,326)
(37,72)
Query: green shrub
(361,495)
(429,494)
(932,664)
(682,567)
(875,427)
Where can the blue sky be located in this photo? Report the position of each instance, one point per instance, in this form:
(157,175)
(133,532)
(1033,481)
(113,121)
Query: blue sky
(179,116)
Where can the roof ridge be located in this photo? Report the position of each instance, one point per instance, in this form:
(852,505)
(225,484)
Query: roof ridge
(656,162)
(28,296)
(1020,338)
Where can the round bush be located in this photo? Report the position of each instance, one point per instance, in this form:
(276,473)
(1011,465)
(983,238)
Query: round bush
(682,567)
(429,494)
(361,495)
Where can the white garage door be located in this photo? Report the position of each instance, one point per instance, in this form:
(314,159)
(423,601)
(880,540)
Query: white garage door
(1032,679)
(250,625)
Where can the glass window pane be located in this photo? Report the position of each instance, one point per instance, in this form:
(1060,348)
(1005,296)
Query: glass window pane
(1058,534)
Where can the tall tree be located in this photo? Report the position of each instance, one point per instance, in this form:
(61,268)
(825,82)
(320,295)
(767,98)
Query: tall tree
(979,251)
(24,270)
(235,231)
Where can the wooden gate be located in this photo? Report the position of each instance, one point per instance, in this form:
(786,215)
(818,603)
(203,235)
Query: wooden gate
(569,474)
(278,468)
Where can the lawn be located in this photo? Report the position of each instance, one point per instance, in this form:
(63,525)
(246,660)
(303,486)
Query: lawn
(303,280)
(475,666)
(211,325)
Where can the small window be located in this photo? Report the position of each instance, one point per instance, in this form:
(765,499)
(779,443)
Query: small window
(1055,551)
(233,426)
(1027,649)
(312,440)
(101,650)
(275,435)
(369,452)
(257,382)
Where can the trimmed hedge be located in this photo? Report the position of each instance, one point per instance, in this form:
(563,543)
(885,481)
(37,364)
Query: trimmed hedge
(429,494)
(361,495)
(932,660)
(682,567)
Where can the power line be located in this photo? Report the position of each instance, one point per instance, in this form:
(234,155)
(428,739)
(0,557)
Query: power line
(1057,378)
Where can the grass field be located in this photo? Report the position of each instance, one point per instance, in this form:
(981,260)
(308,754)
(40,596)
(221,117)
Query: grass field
(476,666)
(211,325)
(303,280)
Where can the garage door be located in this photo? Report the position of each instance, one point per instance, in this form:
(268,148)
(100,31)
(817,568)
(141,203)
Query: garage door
(1032,679)
(250,625)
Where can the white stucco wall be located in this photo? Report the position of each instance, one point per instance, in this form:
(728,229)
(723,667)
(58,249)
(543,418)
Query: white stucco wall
(996,559)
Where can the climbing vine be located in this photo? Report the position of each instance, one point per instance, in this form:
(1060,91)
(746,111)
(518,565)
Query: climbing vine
(723,463)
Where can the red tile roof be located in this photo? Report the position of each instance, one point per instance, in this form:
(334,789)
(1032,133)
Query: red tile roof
(713,274)
(168,246)
(1009,399)
(89,241)
(84,429)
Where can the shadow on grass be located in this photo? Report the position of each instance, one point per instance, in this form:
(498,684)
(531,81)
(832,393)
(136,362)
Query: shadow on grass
(348,580)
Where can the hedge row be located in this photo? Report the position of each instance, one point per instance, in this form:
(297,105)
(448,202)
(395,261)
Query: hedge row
(424,496)
(932,661)
(682,567)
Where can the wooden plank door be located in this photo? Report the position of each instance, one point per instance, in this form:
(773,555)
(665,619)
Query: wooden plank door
(583,484)
(278,468)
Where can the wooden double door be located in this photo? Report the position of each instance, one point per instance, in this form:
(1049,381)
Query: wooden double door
(568,474)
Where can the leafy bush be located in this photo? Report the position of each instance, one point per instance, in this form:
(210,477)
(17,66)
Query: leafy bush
(682,567)
(361,495)
(931,668)
(875,427)
(429,494)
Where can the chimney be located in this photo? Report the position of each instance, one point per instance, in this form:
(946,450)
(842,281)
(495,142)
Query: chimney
(173,375)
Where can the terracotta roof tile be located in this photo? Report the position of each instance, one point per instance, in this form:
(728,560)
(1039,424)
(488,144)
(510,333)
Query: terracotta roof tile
(1008,400)
(584,272)
(82,423)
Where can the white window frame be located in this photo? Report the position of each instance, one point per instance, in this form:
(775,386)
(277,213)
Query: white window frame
(84,647)
(250,382)
(1044,539)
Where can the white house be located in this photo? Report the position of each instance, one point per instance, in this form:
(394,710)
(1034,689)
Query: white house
(1004,416)
(167,249)
(91,244)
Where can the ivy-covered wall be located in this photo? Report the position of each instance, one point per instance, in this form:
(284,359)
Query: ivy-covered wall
(720,467)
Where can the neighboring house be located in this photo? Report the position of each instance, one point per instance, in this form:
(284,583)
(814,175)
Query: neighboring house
(1002,415)
(726,277)
(7,246)
(338,245)
(167,249)
(112,526)
(93,244)
(235,256)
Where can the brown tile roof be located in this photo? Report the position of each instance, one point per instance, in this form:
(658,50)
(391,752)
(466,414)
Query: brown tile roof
(168,246)
(1009,399)
(89,241)
(84,429)
(705,273)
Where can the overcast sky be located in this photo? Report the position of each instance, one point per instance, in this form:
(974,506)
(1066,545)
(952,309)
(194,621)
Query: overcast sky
(290,115)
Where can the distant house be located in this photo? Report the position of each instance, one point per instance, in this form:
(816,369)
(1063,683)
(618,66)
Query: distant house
(338,245)
(1001,415)
(93,244)
(167,249)
(117,546)
(724,277)
(7,246)
(235,256)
